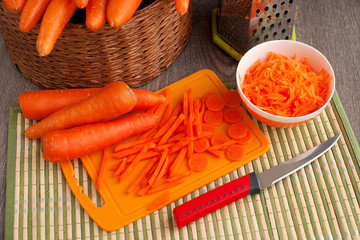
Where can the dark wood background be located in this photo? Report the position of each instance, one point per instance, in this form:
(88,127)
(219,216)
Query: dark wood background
(333,27)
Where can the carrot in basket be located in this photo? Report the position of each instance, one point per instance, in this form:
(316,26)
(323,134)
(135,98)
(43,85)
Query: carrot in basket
(32,13)
(81,3)
(110,102)
(14,6)
(181,6)
(56,16)
(120,11)
(104,160)
(68,144)
(96,14)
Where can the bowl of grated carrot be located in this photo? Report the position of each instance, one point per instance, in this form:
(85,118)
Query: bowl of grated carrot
(285,83)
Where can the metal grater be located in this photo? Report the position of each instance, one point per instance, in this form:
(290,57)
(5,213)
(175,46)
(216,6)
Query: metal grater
(245,23)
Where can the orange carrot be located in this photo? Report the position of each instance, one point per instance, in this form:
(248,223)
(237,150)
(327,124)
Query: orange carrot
(122,146)
(232,115)
(161,187)
(215,152)
(215,102)
(146,99)
(110,102)
(127,152)
(218,138)
(214,118)
(235,152)
(172,128)
(245,140)
(232,98)
(198,162)
(179,145)
(167,114)
(181,6)
(32,13)
(198,119)
(162,171)
(104,160)
(14,6)
(120,168)
(134,163)
(237,130)
(57,15)
(159,166)
(164,129)
(177,162)
(64,145)
(159,201)
(200,145)
(119,12)
(181,175)
(224,145)
(95,14)
(81,3)
(185,106)
(207,128)
(142,175)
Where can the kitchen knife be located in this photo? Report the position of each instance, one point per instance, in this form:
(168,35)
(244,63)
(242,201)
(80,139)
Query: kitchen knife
(249,184)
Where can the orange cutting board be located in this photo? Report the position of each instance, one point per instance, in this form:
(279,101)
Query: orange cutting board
(120,208)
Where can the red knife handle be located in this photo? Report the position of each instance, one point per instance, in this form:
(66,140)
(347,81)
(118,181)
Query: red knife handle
(215,199)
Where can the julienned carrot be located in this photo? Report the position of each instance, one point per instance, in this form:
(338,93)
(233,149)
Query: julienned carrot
(215,102)
(119,12)
(120,168)
(134,163)
(35,104)
(237,130)
(198,162)
(177,163)
(159,166)
(32,13)
(110,102)
(142,175)
(215,152)
(162,171)
(56,16)
(68,144)
(81,3)
(232,98)
(170,131)
(104,161)
(198,119)
(181,6)
(232,115)
(167,114)
(14,6)
(235,152)
(181,175)
(214,118)
(96,14)
(159,201)
(127,145)
(165,128)
(161,187)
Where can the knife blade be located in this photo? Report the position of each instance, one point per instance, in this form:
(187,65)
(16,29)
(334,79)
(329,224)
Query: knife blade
(251,183)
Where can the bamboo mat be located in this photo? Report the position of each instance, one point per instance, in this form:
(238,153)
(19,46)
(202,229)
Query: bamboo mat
(320,201)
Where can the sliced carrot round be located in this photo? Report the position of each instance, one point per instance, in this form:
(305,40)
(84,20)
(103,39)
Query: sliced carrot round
(235,152)
(245,140)
(206,95)
(219,138)
(198,162)
(232,98)
(214,118)
(200,145)
(207,128)
(215,102)
(237,130)
(232,115)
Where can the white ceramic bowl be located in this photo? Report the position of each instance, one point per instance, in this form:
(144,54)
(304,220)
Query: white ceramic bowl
(288,48)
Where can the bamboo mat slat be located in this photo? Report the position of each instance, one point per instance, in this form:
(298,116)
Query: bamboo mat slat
(320,201)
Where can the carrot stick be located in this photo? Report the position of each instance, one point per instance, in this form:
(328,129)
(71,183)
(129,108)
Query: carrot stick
(120,11)
(159,201)
(164,129)
(177,110)
(121,168)
(110,102)
(161,187)
(56,16)
(95,13)
(142,175)
(104,160)
(147,155)
(113,168)
(235,152)
(81,3)
(198,119)
(122,146)
(162,171)
(14,6)
(215,152)
(64,145)
(190,134)
(182,175)
(179,145)
(181,6)
(160,164)
(143,190)
(167,114)
(177,162)
(134,164)
(191,102)
(171,130)
(176,137)
(185,106)
(232,115)
(127,152)
(31,14)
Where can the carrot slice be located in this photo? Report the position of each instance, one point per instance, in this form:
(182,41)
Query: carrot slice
(215,102)
(198,162)
(159,202)
(207,128)
(245,140)
(235,152)
(237,130)
(232,115)
(104,160)
(232,98)
(214,118)
(200,145)
(218,138)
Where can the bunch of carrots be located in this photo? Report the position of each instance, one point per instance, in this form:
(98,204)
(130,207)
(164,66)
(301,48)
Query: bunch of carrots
(55,14)
(175,140)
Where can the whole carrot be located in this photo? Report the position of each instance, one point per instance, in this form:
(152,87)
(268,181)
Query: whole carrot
(32,13)
(181,6)
(68,144)
(110,102)
(57,15)
(35,104)
(120,11)
(14,6)
(96,14)
(81,3)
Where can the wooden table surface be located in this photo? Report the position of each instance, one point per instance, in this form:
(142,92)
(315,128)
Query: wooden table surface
(333,27)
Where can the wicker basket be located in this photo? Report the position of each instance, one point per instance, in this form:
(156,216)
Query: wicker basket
(135,53)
